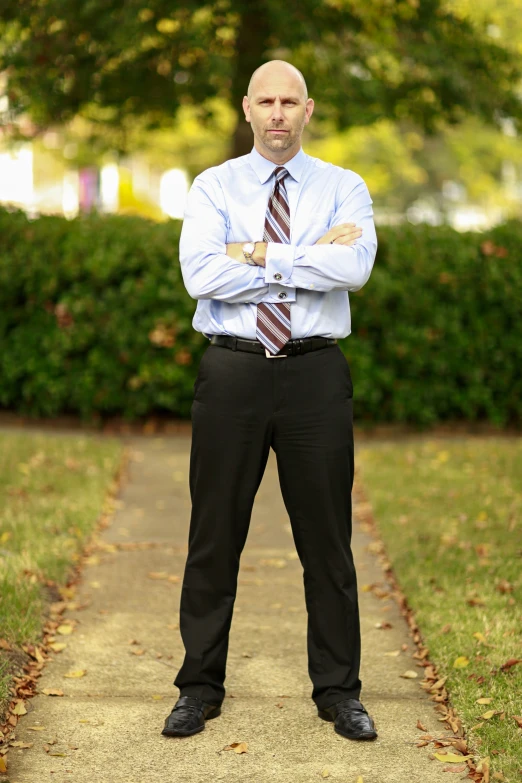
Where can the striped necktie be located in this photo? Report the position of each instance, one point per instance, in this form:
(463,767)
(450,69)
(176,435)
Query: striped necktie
(273,319)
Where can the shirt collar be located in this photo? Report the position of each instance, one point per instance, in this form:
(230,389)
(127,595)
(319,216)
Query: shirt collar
(264,168)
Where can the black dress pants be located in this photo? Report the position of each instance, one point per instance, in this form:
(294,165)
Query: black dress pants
(301,406)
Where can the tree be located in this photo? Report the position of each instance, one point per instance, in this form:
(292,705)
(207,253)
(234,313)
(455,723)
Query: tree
(113,61)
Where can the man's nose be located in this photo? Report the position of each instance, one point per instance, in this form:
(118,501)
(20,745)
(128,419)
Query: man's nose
(277,110)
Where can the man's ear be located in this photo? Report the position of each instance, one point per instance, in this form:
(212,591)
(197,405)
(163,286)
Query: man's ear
(246,108)
(309,109)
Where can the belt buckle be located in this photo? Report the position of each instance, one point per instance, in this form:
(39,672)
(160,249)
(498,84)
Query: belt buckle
(276,356)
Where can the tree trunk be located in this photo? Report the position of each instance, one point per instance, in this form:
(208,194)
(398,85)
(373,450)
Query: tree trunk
(251,47)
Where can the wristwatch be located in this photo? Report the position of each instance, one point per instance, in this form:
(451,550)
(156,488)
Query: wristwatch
(249,248)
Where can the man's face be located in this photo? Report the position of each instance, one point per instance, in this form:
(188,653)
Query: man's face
(278,111)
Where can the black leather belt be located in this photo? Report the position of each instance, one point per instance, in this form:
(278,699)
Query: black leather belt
(292,347)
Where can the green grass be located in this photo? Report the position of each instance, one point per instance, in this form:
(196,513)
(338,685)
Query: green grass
(52,491)
(450,514)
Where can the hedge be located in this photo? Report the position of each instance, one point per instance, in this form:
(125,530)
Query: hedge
(95,321)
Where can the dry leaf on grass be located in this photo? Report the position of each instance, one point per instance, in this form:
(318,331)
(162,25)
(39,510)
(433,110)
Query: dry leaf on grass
(460,662)
(510,663)
(518,720)
(485,700)
(490,713)
(237,747)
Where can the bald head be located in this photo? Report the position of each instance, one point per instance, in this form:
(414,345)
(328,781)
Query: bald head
(277,107)
(277,70)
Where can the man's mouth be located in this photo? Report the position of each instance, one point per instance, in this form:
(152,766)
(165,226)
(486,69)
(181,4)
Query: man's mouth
(277,130)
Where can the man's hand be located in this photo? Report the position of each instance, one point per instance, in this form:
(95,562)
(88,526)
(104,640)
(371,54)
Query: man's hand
(235,251)
(345,234)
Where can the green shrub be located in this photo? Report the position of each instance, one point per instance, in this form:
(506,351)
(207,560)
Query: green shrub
(94,319)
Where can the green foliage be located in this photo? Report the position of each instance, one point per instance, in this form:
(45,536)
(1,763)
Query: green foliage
(95,320)
(110,60)
(436,331)
(94,317)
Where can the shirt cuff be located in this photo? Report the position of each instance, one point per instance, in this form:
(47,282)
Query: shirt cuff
(279,263)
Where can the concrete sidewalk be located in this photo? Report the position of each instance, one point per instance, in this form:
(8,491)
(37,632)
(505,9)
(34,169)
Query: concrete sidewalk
(108,723)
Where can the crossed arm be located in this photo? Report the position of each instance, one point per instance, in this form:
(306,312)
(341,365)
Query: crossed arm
(341,260)
(345,234)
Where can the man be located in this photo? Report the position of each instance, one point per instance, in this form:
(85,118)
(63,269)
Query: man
(270,248)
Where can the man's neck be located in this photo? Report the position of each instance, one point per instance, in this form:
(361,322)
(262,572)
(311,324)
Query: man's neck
(274,157)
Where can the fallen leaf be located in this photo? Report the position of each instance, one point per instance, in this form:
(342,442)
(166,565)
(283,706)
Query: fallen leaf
(460,662)
(482,639)
(3,765)
(421,726)
(384,626)
(76,673)
(58,646)
(504,586)
(490,713)
(483,767)
(485,700)
(451,758)
(511,662)
(237,747)
(137,652)
(36,728)
(325,773)
(65,630)
(4,644)
(518,720)
(57,753)
(20,744)
(459,768)
(409,675)
(19,708)
(52,692)
(446,628)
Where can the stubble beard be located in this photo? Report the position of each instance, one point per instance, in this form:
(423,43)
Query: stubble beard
(283,142)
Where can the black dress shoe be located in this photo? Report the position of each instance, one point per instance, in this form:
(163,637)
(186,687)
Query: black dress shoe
(351,719)
(188,716)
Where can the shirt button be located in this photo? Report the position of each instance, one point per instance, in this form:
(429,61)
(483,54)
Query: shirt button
(278,276)
(282,295)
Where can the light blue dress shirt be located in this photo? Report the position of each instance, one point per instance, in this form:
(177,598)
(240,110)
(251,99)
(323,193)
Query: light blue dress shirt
(227,203)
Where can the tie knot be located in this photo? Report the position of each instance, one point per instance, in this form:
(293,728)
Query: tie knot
(280,173)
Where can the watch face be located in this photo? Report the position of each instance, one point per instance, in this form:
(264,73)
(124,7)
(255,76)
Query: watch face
(248,248)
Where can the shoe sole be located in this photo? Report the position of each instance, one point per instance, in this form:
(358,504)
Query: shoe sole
(364,735)
(172,733)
